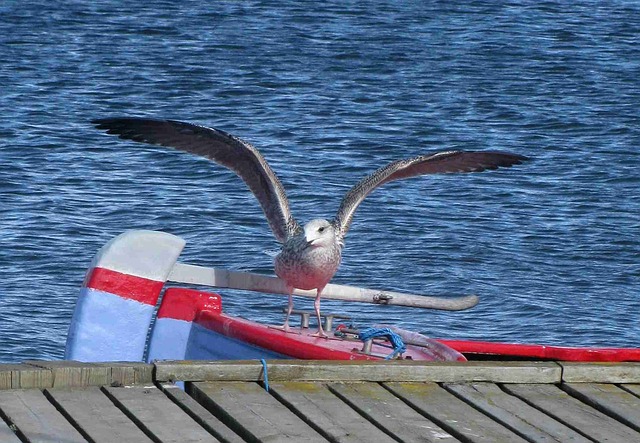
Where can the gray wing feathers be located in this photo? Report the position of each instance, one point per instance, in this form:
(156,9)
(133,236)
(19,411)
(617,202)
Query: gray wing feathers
(224,149)
(438,163)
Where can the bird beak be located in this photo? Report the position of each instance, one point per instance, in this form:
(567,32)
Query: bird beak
(312,242)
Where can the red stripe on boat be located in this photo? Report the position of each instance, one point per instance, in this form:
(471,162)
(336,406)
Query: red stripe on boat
(290,344)
(562,353)
(123,285)
(183,304)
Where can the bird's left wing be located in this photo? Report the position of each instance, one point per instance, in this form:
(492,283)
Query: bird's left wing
(436,163)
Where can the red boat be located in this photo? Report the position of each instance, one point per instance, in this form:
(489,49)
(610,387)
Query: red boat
(116,320)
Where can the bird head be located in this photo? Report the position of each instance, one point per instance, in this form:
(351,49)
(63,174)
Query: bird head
(319,232)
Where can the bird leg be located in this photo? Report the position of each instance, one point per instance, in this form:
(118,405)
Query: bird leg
(316,305)
(285,326)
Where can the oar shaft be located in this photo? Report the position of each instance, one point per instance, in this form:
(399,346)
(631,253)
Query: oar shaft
(223,278)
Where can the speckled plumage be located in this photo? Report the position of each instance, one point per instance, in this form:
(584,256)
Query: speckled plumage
(304,267)
(311,255)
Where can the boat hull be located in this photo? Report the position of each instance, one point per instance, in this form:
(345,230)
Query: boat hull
(114,321)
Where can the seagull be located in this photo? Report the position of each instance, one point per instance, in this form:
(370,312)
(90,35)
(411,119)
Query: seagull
(310,254)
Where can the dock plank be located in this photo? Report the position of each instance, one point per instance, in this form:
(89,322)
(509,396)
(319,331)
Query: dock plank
(93,412)
(253,413)
(67,373)
(601,372)
(452,414)
(515,414)
(200,414)
(323,370)
(130,373)
(574,413)
(612,400)
(157,415)
(16,376)
(390,413)
(632,387)
(6,434)
(36,418)
(333,418)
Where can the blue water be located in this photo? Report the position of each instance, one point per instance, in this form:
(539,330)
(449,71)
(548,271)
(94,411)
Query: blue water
(330,91)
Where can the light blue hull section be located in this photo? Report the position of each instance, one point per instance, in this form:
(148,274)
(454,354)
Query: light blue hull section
(205,344)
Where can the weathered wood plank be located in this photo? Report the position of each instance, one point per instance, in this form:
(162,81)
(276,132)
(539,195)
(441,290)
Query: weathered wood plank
(390,413)
(18,376)
(92,411)
(6,434)
(574,413)
(331,417)
(46,374)
(252,413)
(631,387)
(157,415)
(616,402)
(72,373)
(5,376)
(379,371)
(605,372)
(515,414)
(130,373)
(36,418)
(452,414)
(200,414)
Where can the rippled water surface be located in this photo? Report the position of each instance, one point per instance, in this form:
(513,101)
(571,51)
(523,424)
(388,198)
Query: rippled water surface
(329,91)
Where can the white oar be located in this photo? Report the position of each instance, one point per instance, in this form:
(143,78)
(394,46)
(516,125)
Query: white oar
(223,278)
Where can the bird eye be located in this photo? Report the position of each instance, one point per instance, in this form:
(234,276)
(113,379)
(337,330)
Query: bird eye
(321,229)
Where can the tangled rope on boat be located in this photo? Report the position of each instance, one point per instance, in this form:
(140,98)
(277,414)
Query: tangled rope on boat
(394,339)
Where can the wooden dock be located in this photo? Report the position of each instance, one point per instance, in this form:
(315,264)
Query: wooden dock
(319,401)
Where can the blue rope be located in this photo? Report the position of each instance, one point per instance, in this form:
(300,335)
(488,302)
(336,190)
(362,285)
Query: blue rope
(395,339)
(266,375)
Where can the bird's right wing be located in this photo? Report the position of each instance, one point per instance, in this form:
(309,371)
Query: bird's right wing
(221,147)
(436,163)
